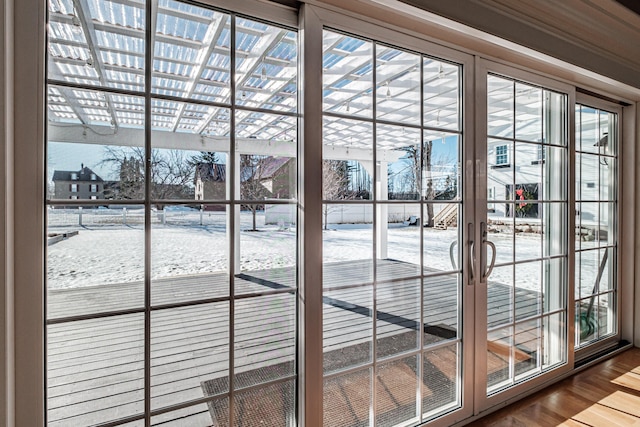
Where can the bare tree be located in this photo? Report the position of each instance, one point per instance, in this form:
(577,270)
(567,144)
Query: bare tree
(171,173)
(335,184)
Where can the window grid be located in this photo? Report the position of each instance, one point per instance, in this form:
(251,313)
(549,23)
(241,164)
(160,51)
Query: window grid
(511,134)
(151,414)
(376,202)
(596,305)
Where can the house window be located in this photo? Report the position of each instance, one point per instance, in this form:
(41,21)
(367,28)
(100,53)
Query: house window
(74,176)
(502,155)
(94,197)
(73,197)
(74,188)
(93,177)
(93,188)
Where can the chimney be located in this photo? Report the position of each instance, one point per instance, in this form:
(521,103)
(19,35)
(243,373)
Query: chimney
(81,166)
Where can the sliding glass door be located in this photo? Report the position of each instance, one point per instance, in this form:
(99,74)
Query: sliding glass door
(456,264)
(523,231)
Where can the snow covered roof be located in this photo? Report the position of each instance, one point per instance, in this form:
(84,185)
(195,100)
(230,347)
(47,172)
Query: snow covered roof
(84,174)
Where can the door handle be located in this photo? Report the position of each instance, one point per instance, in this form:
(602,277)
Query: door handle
(485,244)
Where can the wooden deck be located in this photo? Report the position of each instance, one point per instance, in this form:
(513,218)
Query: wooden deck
(96,367)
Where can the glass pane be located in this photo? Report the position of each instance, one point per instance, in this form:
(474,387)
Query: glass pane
(589,217)
(528,236)
(589,265)
(396,392)
(397,85)
(266,66)
(555,108)
(554,172)
(587,320)
(499,358)
(272,406)
(95,370)
(501,231)
(607,224)
(555,339)
(500,107)
(607,178)
(95,259)
(347,400)
(527,287)
(500,291)
(607,269)
(528,167)
(398,241)
(348,159)
(398,164)
(441,167)
(267,251)
(528,113)
(205,414)
(554,296)
(441,387)
(442,238)
(190,353)
(347,237)
(500,172)
(114,30)
(589,187)
(606,314)
(527,353)
(441,94)
(265,335)
(398,317)
(347,325)
(347,75)
(191,52)
(554,228)
(441,303)
(95,145)
(589,129)
(189,253)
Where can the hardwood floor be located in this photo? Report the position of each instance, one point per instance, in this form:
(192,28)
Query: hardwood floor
(607,394)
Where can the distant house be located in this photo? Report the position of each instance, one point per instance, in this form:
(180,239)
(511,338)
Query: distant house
(210,180)
(266,178)
(84,184)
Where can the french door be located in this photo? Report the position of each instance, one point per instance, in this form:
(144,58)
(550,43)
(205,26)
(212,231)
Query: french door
(523,252)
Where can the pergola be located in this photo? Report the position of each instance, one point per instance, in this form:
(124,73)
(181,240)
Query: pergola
(100,45)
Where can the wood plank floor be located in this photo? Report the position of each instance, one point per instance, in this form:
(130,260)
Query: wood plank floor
(95,369)
(607,394)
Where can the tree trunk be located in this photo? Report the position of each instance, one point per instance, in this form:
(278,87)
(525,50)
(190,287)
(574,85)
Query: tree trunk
(253,210)
(429,194)
(326,215)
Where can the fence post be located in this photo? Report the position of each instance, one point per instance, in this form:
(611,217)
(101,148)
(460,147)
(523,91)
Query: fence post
(124,216)
(201,210)
(80,216)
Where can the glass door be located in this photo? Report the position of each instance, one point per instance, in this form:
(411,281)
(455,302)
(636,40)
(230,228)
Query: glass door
(523,224)
(394,230)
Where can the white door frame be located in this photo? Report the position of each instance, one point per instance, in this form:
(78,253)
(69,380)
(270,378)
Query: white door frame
(484,67)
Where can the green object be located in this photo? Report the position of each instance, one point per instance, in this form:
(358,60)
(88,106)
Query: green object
(588,324)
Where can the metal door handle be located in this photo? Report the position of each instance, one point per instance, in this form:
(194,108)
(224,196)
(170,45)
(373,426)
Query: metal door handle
(493,260)
(451,255)
(486,243)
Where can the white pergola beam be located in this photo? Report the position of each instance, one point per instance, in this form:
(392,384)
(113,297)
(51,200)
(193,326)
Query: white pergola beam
(128,137)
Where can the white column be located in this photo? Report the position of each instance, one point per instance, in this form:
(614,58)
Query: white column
(382,211)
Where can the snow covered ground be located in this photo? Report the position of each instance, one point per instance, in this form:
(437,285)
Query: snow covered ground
(108,251)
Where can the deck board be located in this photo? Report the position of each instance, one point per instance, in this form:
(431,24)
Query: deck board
(96,369)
